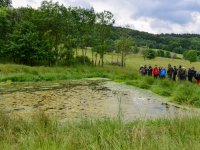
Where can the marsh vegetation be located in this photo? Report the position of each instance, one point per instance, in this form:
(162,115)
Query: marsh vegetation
(50,97)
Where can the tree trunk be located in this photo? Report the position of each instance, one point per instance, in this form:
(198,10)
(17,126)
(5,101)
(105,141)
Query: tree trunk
(112,58)
(82,52)
(102,61)
(96,59)
(99,62)
(76,51)
(83,56)
(92,58)
(117,58)
(85,53)
(122,60)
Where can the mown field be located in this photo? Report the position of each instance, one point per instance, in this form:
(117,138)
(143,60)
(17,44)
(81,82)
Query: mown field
(133,61)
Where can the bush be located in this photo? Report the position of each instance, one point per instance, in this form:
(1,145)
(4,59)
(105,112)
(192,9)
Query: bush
(187,94)
(80,60)
(150,54)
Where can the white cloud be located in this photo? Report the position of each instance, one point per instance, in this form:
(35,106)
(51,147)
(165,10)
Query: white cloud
(155,16)
(24,3)
(74,3)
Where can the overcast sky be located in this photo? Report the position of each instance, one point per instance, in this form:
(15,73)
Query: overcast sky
(154,16)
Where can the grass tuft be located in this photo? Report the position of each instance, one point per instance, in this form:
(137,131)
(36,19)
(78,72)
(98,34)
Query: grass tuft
(40,132)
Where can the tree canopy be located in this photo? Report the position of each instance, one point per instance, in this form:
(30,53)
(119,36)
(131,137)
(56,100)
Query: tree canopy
(52,34)
(48,35)
(5,3)
(191,55)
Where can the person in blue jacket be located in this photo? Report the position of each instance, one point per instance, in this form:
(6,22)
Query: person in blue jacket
(163,72)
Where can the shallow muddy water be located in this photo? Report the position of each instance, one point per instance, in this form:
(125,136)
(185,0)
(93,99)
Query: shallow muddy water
(99,100)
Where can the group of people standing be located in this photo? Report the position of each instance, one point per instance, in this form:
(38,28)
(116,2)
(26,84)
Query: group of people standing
(171,72)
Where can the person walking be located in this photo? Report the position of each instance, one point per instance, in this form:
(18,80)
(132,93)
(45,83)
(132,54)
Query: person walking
(194,72)
(169,72)
(141,70)
(150,71)
(159,72)
(179,72)
(145,69)
(191,74)
(197,77)
(184,74)
(163,73)
(174,73)
(155,71)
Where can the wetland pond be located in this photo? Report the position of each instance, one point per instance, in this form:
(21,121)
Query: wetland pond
(89,98)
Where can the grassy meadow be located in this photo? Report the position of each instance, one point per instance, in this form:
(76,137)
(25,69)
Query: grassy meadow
(42,132)
(133,61)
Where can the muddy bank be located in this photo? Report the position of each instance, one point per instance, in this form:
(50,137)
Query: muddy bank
(87,98)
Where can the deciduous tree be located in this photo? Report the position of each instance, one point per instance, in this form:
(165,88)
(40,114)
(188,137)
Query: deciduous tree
(103,31)
(191,55)
(5,3)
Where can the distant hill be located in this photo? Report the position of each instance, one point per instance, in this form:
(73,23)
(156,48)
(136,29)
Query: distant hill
(177,43)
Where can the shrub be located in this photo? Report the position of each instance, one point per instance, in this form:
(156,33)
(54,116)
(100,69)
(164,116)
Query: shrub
(80,60)
(186,93)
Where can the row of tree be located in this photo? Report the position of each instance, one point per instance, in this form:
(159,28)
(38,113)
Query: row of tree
(177,43)
(54,34)
(151,54)
(190,55)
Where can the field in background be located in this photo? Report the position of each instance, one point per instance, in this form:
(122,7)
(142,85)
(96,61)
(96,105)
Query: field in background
(135,60)
(172,53)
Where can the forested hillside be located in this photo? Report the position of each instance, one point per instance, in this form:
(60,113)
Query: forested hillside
(53,34)
(177,43)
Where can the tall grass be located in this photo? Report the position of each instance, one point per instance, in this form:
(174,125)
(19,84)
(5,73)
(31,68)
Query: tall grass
(43,133)
(181,92)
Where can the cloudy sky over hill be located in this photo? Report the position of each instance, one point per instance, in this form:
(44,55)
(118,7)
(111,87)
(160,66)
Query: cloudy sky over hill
(155,16)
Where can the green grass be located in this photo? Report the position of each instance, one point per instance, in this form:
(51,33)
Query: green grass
(180,92)
(184,93)
(135,60)
(40,132)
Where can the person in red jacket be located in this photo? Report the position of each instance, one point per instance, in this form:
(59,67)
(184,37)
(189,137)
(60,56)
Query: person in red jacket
(197,77)
(155,71)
